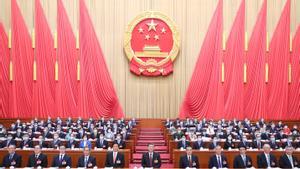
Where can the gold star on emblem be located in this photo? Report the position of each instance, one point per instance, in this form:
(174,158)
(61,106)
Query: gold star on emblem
(156,37)
(147,37)
(152,25)
(163,30)
(141,30)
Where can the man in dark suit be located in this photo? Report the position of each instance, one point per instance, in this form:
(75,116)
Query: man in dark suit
(242,160)
(183,143)
(189,160)
(101,142)
(72,142)
(213,144)
(120,142)
(218,160)
(115,159)
(199,143)
(62,160)
(151,158)
(266,159)
(178,134)
(244,142)
(287,160)
(12,159)
(56,142)
(257,144)
(26,142)
(86,160)
(38,159)
(229,143)
(273,143)
(9,141)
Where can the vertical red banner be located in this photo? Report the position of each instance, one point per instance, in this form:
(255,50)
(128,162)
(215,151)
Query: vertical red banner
(4,74)
(67,85)
(22,60)
(97,96)
(204,97)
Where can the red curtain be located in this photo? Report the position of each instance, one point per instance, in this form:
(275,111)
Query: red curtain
(67,84)
(97,96)
(278,58)
(233,61)
(294,87)
(4,73)
(44,86)
(22,59)
(254,91)
(204,97)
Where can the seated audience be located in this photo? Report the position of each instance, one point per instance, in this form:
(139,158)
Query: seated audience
(101,142)
(121,143)
(183,144)
(85,142)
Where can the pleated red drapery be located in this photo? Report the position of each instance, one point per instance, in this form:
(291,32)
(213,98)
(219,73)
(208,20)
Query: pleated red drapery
(44,85)
(5,85)
(204,97)
(294,87)
(97,96)
(233,62)
(254,90)
(278,58)
(22,60)
(67,85)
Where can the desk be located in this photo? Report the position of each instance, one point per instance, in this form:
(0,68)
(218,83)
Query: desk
(204,156)
(100,156)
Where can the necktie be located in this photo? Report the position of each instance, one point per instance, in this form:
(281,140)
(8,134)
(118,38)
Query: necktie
(115,157)
(291,160)
(150,159)
(61,157)
(86,161)
(268,160)
(244,159)
(190,161)
(36,156)
(11,156)
(219,161)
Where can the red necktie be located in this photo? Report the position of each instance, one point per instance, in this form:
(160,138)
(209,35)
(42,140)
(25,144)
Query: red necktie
(115,156)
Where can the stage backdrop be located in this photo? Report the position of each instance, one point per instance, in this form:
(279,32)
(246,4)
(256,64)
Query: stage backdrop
(157,97)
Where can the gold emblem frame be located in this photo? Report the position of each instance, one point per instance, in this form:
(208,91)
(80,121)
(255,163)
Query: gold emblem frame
(158,15)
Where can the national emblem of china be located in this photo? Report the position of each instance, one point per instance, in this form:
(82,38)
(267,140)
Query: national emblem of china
(151,44)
